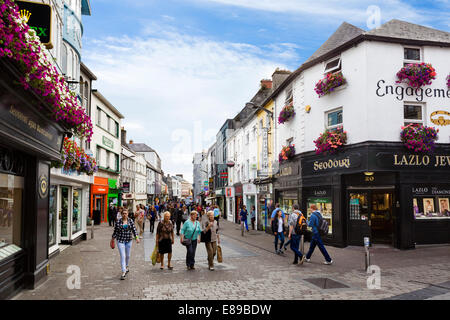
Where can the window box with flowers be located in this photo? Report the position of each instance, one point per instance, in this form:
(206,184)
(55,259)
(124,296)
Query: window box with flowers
(418,138)
(287,113)
(73,158)
(287,152)
(330,83)
(21,45)
(331,141)
(417,75)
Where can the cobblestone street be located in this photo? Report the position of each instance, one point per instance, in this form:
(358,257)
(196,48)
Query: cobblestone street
(250,271)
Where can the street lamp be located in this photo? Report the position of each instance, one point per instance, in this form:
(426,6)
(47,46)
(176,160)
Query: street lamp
(257,107)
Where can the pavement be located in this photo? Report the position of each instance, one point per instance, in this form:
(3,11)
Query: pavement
(250,271)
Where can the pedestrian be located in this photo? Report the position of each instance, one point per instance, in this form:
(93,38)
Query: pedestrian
(173,211)
(243,215)
(278,231)
(294,236)
(112,215)
(144,209)
(179,219)
(217,214)
(165,239)
(212,238)
(124,232)
(152,217)
(316,239)
(253,217)
(119,214)
(191,230)
(274,212)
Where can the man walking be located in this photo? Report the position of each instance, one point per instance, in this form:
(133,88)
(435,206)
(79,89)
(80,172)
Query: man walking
(316,239)
(294,236)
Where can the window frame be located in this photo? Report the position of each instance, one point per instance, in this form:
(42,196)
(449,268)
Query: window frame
(408,61)
(333,127)
(423,111)
(333,69)
(289,95)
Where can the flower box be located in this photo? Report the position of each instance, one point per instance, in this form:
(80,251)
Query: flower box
(73,158)
(416,75)
(287,152)
(286,114)
(418,138)
(329,83)
(331,141)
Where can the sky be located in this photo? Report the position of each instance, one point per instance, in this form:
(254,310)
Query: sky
(177,69)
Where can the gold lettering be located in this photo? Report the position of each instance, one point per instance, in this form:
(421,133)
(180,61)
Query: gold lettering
(404,161)
(426,160)
(316,165)
(395,160)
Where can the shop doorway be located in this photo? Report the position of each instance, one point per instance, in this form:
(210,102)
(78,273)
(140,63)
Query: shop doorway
(370,214)
(63,220)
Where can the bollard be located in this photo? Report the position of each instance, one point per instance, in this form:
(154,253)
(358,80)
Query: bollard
(92,229)
(367,252)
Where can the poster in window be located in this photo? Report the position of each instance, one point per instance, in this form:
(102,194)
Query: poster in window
(444,207)
(415,206)
(428,206)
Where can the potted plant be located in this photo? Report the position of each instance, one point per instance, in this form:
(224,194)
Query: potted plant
(331,141)
(287,113)
(419,138)
(287,152)
(416,75)
(73,158)
(329,83)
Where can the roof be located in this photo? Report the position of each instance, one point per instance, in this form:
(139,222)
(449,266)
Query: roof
(86,70)
(108,104)
(141,147)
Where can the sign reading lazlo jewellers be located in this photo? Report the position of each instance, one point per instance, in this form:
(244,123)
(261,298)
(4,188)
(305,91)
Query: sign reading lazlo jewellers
(401,92)
(39,18)
(413,161)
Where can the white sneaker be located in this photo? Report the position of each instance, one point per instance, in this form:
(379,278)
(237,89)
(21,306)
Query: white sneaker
(307,260)
(328,263)
(123,276)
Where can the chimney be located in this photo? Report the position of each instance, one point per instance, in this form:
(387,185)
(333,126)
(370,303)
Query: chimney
(266,83)
(131,141)
(123,133)
(279,76)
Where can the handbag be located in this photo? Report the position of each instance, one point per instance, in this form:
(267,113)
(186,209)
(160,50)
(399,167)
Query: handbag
(219,254)
(112,244)
(205,236)
(187,242)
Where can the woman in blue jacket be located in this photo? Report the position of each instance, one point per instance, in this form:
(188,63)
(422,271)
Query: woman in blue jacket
(191,230)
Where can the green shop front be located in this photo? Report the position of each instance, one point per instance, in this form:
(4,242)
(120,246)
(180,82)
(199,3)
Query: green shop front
(113,194)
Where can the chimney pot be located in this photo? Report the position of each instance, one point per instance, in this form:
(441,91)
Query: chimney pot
(266,83)
(131,141)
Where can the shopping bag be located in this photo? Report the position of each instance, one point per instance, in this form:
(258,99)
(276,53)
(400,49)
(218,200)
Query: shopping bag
(219,254)
(112,244)
(154,255)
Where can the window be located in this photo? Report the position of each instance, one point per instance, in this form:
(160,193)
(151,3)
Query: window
(117,162)
(325,206)
(99,117)
(413,113)
(52,215)
(64,59)
(108,118)
(412,55)
(76,217)
(116,129)
(97,155)
(289,96)
(429,207)
(333,65)
(334,119)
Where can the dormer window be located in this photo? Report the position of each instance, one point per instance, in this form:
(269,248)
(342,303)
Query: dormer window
(333,65)
(412,55)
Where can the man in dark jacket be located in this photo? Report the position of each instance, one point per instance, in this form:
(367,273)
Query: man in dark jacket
(316,239)
(179,218)
(112,215)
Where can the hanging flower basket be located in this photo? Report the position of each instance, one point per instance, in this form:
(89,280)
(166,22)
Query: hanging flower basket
(331,141)
(448,81)
(419,138)
(20,44)
(286,114)
(73,158)
(286,153)
(416,75)
(329,83)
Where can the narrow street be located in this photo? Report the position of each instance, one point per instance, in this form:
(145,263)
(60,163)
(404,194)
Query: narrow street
(250,271)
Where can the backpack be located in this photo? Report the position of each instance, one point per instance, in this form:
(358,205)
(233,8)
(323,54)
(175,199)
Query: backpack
(322,226)
(301,226)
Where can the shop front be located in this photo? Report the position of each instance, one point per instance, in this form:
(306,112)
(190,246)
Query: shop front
(220,200)
(249,197)
(238,201)
(265,204)
(230,198)
(113,194)
(29,140)
(382,192)
(99,200)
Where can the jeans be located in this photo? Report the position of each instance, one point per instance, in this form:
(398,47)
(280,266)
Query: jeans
(316,240)
(253,223)
(280,236)
(190,254)
(295,243)
(211,248)
(152,225)
(124,250)
(287,243)
(245,223)
(178,227)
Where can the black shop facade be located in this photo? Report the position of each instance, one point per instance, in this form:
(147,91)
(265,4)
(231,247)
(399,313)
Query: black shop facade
(29,141)
(380,191)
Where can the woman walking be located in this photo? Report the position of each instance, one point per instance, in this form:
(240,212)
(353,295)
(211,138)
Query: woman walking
(124,232)
(165,239)
(139,219)
(278,231)
(191,230)
(253,217)
(211,232)
(152,217)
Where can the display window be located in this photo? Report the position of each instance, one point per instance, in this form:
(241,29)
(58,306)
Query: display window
(52,216)
(359,206)
(76,216)
(431,207)
(325,206)
(11,191)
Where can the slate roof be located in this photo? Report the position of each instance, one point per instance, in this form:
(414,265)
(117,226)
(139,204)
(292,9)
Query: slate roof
(140,147)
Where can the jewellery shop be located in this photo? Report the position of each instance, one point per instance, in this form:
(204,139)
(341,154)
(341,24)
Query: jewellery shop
(28,142)
(380,191)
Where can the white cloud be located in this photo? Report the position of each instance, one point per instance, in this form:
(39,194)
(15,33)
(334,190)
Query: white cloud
(176,90)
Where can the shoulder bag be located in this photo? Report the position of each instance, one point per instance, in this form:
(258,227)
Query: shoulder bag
(186,241)
(206,236)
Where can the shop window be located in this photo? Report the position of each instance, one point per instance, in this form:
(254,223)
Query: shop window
(52,216)
(412,55)
(413,114)
(359,206)
(325,206)
(64,211)
(334,119)
(333,65)
(11,191)
(76,216)
(429,207)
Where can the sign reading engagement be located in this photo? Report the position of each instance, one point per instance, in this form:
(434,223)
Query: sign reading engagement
(38,17)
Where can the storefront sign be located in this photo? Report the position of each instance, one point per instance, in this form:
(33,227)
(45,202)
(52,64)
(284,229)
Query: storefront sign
(238,190)
(430,191)
(249,188)
(229,192)
(413,160)
(332,164)
(43,186)
(108,143)
(265,153)
(219,192)
(401,92)
(39,18)
(125,187)
(443,120)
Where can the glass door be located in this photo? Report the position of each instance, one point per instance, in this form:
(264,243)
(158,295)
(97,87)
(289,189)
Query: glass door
(381,220)
(359,215)
(64,212)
